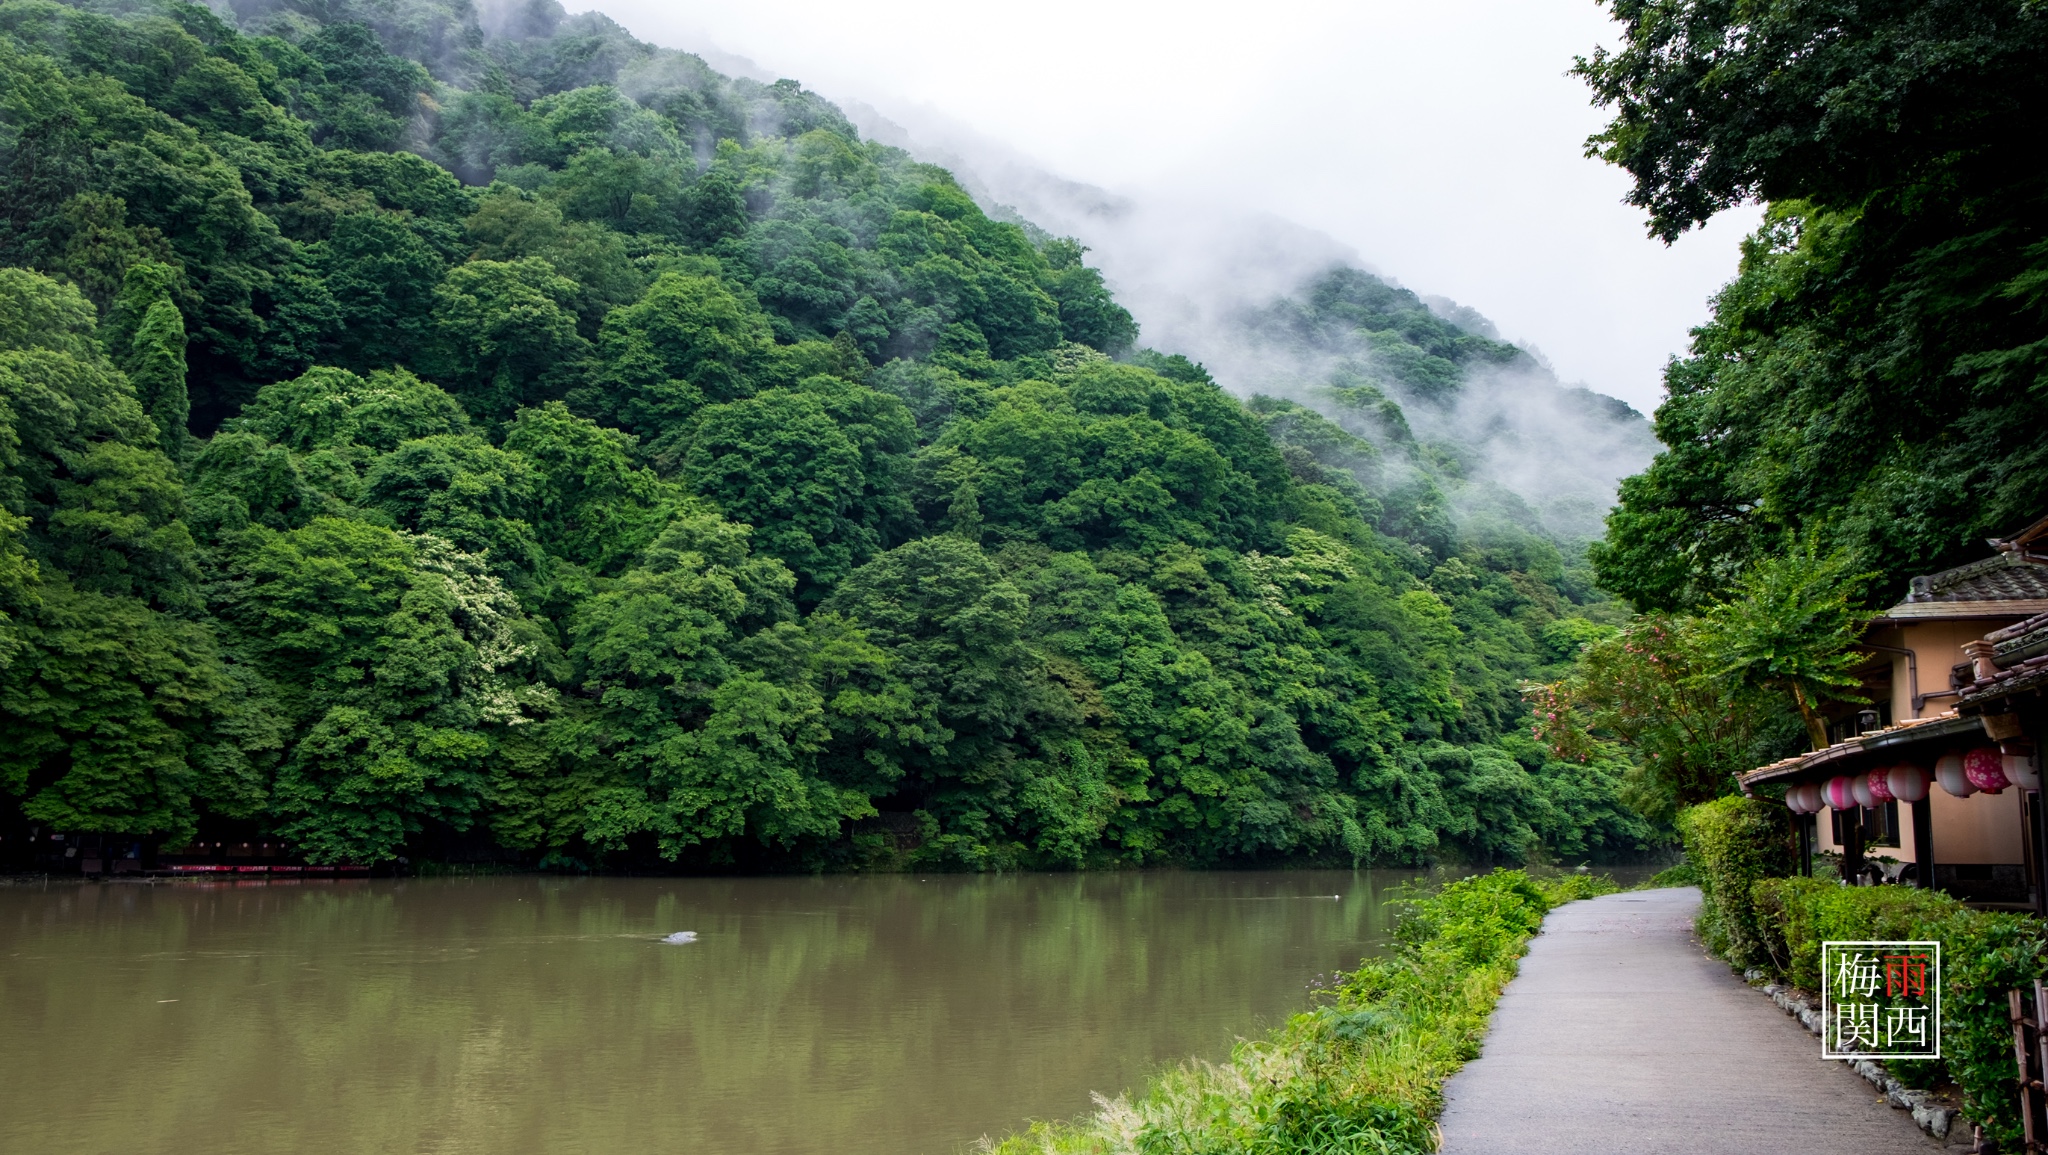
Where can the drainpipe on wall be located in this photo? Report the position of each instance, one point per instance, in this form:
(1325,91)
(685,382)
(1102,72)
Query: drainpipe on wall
(1912,676)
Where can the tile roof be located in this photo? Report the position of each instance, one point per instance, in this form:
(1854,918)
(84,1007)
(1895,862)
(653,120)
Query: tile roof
(2026,675)
(2005,577)
(1908,732)
(1961,611)
(2013,583)
(2021,640)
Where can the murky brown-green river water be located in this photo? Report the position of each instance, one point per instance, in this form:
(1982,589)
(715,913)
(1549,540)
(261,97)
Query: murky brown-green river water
(842,1015)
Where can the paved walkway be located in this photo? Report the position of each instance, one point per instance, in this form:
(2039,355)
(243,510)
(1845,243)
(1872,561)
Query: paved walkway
(1620,1036)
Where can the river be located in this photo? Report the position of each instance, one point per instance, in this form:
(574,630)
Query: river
(850,1015)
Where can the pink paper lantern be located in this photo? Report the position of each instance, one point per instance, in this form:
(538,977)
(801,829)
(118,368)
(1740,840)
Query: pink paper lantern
(1907,782)
(1809,797)
(1985,768)
(1948,770)
(1880,787)
(1838,794)
(1859,787)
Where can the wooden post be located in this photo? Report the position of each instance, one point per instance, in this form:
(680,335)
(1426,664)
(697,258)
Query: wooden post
(2030,1059)
(2020,1051)
(1923,842)
(2030,830)
(2040,1036)
(1808,824)
(1852,854)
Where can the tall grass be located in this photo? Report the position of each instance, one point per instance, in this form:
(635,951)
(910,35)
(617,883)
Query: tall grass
(1361,1074)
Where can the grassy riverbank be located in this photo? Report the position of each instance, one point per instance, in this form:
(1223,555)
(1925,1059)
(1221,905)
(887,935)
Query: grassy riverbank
(1363,1071)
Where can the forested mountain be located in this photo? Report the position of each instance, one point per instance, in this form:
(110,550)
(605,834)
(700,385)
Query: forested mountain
(422,434)
(1485,432)
(1478,434)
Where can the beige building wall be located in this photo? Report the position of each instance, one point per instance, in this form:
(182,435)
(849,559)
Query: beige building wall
(1978,830)
(1983,829)
(1937,647)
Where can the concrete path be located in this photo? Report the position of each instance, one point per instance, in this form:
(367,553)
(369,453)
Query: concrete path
(1621,1036)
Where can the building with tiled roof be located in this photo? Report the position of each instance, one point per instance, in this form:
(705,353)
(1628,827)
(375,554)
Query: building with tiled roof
(1960,665)
(2009,668)
(2015,579)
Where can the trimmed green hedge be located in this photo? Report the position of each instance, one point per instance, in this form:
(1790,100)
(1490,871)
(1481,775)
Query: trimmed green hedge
(1755,917)
(1362,1075)
(1731,843)
(1983,953)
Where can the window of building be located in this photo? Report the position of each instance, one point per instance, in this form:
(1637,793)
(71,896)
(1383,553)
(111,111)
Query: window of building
(1880,824)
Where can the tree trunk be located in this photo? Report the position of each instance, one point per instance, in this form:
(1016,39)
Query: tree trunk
(1816,726)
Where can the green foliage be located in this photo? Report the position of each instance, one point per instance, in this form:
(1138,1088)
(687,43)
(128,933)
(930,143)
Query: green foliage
(699,749)
(544,440)
(1700,699)
(1870,381)
(102,711)
(1365,1071)
(508,335)
(1790,627)
(1659,689)
(593,505)
(1682,874)
(104,696)
(156,367)
(690,340)
(779,461)
(1733,842)
(1717,103)
(390,659)
(1984,954)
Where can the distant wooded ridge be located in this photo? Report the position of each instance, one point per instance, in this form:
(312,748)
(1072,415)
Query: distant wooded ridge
(423,439)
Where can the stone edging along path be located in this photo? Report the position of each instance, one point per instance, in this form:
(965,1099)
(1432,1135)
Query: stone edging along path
(1933,1116)
(1621,1035)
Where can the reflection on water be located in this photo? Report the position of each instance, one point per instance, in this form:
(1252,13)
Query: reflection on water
(535,1014)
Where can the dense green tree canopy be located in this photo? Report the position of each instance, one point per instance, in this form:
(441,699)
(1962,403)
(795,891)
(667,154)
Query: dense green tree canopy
(1871,381)
(415,437)
(1865,403)
(1718,102)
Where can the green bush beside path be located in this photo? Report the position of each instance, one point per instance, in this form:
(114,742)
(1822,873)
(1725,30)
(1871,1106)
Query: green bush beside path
(1362,1073)
(1755,916)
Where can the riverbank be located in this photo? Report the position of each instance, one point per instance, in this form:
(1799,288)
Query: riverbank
(1362,1072)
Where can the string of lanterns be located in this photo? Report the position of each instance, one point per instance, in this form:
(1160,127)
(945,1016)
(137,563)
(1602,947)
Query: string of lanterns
(1986,769)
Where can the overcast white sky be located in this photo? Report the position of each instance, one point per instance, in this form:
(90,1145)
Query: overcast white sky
(1440,139)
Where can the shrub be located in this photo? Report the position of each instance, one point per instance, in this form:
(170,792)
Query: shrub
(1363,1073)
(1733,842)
(1683,874)
(1740,851)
